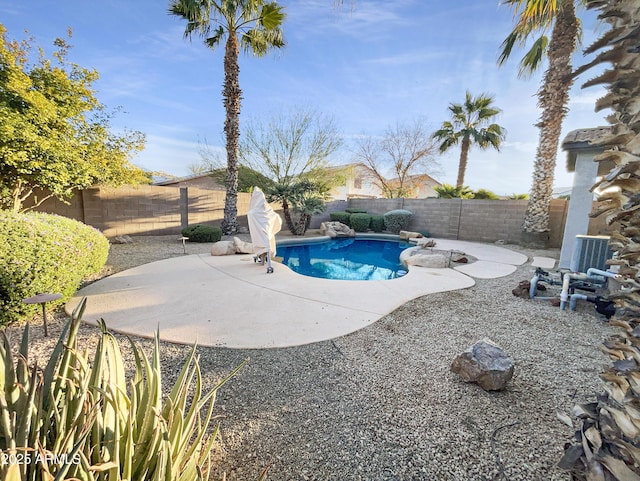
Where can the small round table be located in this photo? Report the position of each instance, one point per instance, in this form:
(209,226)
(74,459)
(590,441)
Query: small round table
(43,299)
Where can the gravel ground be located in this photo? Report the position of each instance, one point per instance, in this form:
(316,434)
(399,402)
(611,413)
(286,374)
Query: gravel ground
(382,403)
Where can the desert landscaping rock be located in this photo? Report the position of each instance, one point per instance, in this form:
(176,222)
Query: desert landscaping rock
(243,247)
(485,364)
(382,403)
(223,248)
(406,235)
(335,229)
(417,256)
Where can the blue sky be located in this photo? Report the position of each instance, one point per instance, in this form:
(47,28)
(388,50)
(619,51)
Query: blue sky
(382,63)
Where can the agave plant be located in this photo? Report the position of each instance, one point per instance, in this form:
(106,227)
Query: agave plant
(608,441)
(78,419)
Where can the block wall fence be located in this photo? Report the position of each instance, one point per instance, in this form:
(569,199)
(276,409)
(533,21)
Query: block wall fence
(158,210)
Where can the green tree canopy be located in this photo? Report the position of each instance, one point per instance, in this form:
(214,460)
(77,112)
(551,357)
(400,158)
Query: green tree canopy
(470,125)
(54,133)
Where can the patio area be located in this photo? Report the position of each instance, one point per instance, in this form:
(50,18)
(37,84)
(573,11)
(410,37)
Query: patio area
(229,301)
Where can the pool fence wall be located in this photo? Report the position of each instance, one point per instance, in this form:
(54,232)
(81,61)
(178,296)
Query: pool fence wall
(159,210)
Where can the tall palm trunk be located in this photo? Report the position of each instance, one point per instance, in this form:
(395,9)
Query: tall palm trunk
(553,98)
(232,96)
(464,156)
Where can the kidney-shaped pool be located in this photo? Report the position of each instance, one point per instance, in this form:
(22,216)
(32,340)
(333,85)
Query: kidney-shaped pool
(354,259)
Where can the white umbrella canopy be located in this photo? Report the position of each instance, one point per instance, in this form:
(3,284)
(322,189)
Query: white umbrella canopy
(264,224)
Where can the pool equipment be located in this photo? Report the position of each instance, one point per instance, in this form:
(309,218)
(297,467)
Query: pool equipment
(264,224)
(591,281)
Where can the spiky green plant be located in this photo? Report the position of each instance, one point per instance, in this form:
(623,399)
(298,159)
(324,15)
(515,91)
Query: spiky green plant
(78,419)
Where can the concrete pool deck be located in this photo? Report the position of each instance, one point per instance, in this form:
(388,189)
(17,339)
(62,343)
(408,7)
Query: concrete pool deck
(231,301)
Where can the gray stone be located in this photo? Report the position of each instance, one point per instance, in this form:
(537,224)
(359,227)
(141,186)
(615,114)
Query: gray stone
(122,239)
(243,247)
(223,248)
(417,256)
(336,229)
(486,364)
(406,235)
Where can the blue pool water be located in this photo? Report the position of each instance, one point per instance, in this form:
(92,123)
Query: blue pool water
(348,259)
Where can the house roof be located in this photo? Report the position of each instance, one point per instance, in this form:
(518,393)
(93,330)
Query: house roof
(581,140)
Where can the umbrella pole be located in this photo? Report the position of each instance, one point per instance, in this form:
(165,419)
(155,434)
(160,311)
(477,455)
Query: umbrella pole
(269,268)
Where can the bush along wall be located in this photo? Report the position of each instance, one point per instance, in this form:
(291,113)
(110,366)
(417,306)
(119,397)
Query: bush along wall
(343,217)
(202,233)
(44,253)
(377,223)
(360,222)
(397,220)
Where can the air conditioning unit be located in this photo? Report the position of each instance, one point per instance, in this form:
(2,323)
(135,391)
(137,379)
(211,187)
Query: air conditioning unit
(590,252)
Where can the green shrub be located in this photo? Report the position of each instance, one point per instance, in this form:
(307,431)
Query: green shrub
(397,220)
(351,210)
(377,223)
(103,424)
(484,194)
(360,222)
(340,217)
(44,253)
(202,233)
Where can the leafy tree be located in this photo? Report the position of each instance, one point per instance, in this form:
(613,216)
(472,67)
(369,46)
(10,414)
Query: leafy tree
(393,161)
(469,125)
(54,133)
(293,150)
(447,191)
(252,24)
(247,179)
(519,197)
(535,17)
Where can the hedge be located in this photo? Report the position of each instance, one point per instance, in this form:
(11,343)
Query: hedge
(202,233)
(340,217)
(44,253)
(377,223)
(397,220)
(360,222)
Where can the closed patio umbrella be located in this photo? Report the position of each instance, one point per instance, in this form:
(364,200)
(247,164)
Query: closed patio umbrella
(264,224)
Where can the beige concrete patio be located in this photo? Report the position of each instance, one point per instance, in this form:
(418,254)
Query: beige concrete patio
(230,301)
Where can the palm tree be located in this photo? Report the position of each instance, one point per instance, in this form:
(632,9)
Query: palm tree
(535,16)
(252,24)
(606,445)
(468,125)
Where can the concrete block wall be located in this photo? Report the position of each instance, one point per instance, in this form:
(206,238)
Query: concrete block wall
(333,206)
(473,220)
(133,210)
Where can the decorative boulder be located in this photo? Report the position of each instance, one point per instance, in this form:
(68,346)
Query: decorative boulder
(223,248)
(122,239)
(406,235)
(424,242)
(243,247)
(459,257)
(417,256)
(486,364)
(336,229)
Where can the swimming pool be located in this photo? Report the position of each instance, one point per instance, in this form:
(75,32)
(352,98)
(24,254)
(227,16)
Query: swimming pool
(347,259)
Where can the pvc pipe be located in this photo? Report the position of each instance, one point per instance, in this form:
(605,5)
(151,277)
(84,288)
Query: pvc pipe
(533,288)
(593,270)
(575,298)
(564,295)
